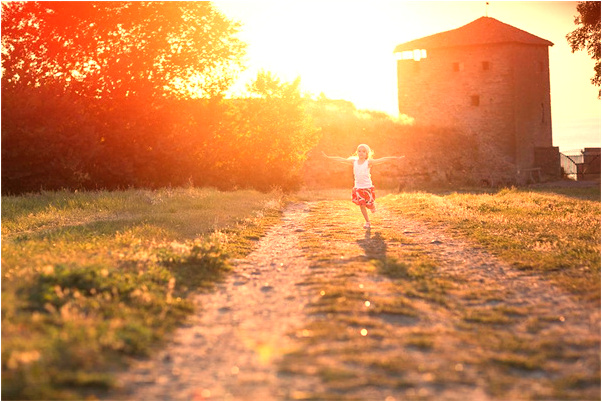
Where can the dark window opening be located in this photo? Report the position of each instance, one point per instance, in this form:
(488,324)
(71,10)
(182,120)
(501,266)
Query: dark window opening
(485,65)
(543,114)
(475,100)
(456,66)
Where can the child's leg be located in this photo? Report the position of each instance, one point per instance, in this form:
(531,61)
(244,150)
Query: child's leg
(365,213)
(371,204)
(358,198)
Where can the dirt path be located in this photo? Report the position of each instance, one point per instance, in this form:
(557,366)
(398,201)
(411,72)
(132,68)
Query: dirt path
(492,333)
(230,350)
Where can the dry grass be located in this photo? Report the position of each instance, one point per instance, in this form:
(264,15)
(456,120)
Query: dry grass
(389,320)
(557,235)
(89,278)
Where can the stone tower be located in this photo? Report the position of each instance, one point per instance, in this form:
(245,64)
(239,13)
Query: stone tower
(486,78)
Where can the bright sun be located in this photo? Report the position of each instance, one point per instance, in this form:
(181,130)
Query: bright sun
(304,37)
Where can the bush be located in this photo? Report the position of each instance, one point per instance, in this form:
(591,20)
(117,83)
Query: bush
(53,140)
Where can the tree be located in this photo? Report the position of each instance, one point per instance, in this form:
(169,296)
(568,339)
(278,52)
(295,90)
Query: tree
(587,35)
(99,94)
(47,140)
(268,135)
(117,49)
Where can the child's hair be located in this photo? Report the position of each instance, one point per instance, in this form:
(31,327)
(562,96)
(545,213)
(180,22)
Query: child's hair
(369,151)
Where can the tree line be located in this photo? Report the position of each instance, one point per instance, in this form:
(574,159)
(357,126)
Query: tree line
(52,140)
(131,94)
(112,95)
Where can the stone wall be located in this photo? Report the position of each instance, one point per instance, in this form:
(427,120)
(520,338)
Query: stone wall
(591,158)
(532,102)
(499,93)
(548,159)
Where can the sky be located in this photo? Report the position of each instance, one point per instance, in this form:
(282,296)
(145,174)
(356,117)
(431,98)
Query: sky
(344,49)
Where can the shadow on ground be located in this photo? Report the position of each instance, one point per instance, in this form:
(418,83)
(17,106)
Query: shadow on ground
(374,246)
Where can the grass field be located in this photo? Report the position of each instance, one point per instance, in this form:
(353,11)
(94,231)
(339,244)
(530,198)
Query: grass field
(89,279)
(555,232)
(392,316)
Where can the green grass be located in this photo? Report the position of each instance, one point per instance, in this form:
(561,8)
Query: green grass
(555,232)
(90,278)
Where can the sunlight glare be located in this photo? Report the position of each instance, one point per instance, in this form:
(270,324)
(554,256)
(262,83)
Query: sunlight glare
(321,32)
(344,49)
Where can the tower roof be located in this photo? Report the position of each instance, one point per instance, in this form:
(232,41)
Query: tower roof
(485,30)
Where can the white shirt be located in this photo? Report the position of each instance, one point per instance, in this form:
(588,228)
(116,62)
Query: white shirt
(361,172)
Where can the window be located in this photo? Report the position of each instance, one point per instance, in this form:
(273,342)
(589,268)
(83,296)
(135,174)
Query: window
(416,54)
(457,67)
(485,65)
(475,100)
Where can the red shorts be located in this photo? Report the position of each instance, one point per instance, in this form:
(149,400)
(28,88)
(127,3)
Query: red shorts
(363,196)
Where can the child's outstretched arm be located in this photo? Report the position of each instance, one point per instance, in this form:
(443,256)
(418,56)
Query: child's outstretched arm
(339,159)
(378,161)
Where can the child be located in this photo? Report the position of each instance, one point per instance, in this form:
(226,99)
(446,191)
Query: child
(363,191)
